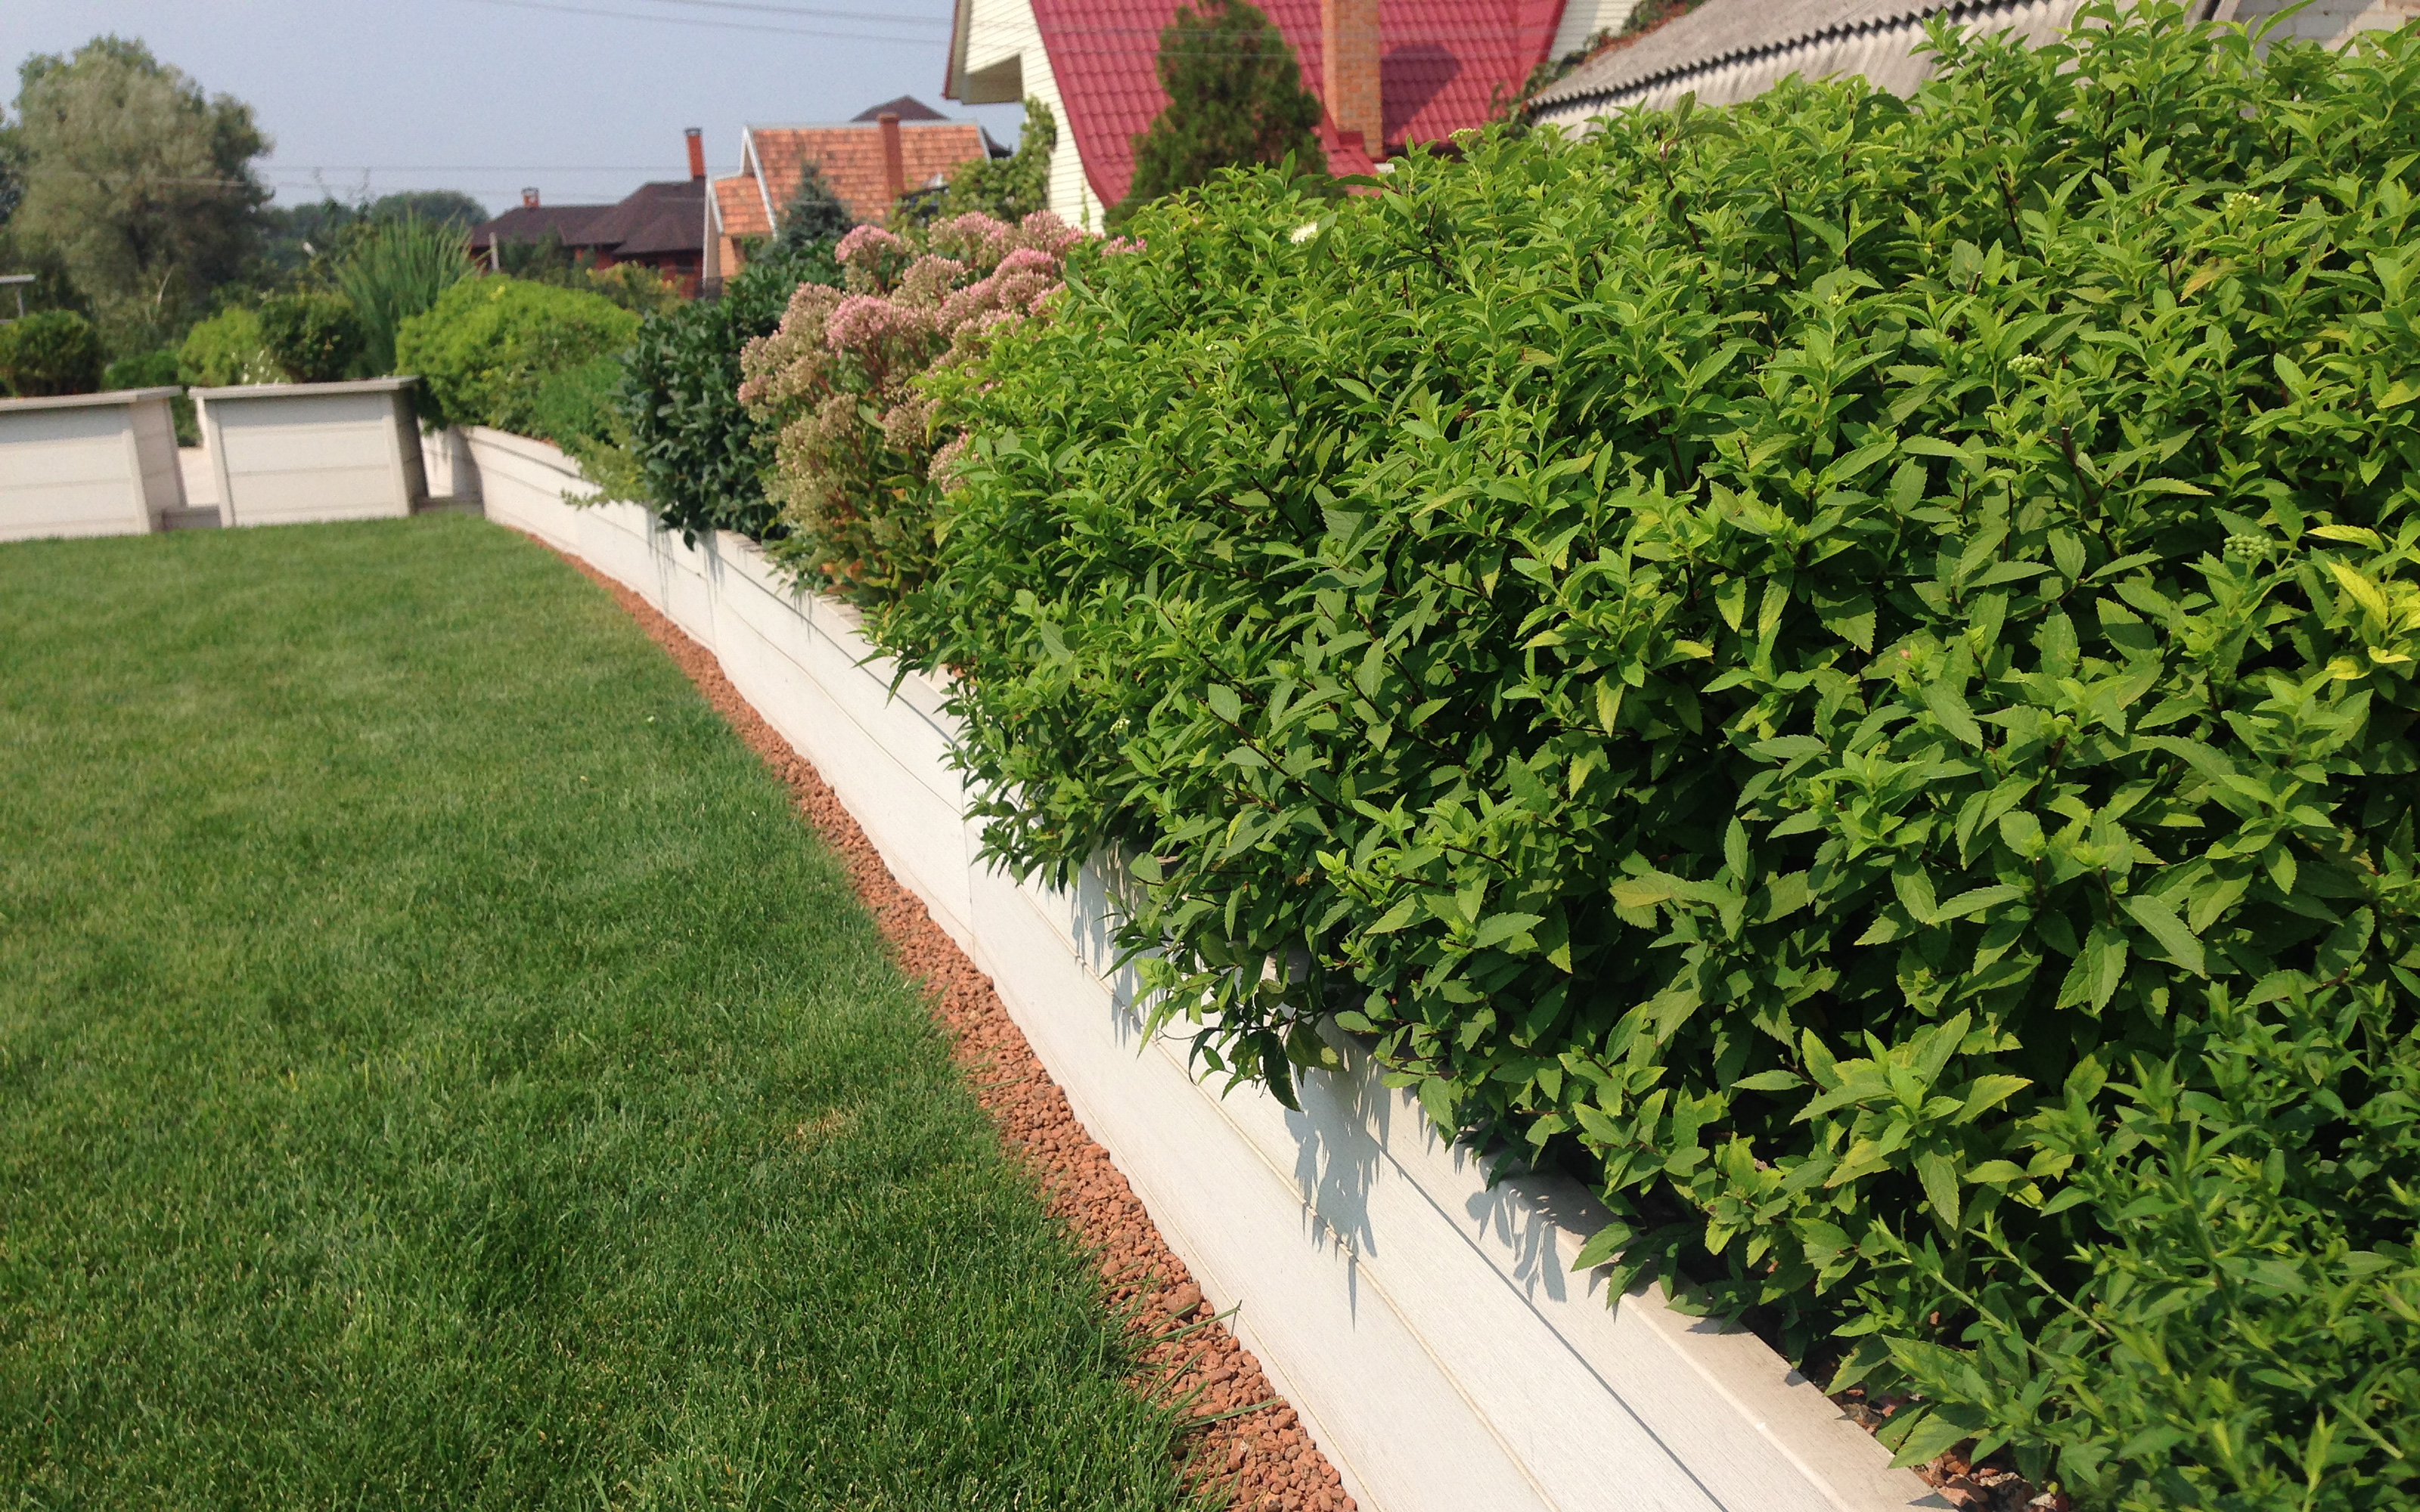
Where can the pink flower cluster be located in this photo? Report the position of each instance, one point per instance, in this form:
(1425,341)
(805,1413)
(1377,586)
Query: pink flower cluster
(839,376)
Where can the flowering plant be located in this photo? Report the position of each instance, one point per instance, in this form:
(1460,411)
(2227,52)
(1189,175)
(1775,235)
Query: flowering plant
(859,456)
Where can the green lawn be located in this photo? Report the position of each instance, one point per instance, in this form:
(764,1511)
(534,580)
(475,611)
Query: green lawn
(438,1069)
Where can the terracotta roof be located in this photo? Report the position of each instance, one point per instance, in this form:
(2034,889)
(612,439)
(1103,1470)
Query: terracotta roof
(1443,67)
(659,218)
(739,207)
(850,156)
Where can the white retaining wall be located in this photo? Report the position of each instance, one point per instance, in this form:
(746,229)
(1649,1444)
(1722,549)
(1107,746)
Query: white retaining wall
(283,454)
(88,463)
(1428,1329)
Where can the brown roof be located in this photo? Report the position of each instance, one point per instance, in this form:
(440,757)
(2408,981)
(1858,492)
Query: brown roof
(532,223)
(907,107)
(851,159)
(668,217)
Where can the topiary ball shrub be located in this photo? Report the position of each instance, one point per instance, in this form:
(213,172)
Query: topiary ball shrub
(313,337)
(49,353)
(485,348)
(1843,666)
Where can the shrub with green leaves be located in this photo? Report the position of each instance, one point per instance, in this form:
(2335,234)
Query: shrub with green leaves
(48,353)
(314,337)
(485,348)
(700,456)
(226,351)
(155,370)
(1843,666)
(392,266)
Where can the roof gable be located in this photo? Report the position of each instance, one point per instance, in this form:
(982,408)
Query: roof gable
(1443,66)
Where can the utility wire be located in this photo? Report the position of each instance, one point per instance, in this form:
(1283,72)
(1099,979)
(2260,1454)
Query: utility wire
(718,25)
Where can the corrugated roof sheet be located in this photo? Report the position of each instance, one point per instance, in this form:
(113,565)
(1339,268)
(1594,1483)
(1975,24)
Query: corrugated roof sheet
(1444,65)
(850,156)
(1729,50)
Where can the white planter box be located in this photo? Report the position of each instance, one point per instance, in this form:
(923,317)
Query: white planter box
(1428,1328)
(286,453)
(88,463)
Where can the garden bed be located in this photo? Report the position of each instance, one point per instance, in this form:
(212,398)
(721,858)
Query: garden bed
(1425,1324)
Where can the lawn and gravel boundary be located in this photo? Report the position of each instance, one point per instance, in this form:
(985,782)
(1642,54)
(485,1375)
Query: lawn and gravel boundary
(436,1075)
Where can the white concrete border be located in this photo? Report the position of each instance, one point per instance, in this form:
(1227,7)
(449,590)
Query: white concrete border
(1427,1328)
(286,453)
(88,463)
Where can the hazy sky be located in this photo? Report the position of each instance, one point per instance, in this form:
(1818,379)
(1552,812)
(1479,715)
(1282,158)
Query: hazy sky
(584,99)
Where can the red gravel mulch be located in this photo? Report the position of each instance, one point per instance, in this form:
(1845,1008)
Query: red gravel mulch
(1261,1457)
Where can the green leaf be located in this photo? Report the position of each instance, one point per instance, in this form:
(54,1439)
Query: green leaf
(1769,1081)
(1947,706)
(1225,703)
(2160,921)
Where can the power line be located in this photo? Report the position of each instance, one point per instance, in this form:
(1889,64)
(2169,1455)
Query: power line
(810,10)
(718,25)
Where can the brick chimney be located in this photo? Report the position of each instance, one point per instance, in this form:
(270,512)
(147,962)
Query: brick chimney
(529,199)
(696,153)
(894,160)
(1348,49)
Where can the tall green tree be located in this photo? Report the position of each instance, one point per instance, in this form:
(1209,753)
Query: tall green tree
(142,185)
(1234,97)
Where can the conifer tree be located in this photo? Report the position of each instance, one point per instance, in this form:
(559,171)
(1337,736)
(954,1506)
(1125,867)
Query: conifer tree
(1235,96)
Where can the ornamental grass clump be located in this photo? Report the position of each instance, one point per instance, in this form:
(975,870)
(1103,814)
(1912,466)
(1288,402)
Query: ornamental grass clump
(1841,666)
(857,451)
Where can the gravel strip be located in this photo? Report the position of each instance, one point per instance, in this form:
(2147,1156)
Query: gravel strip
(1261,1457)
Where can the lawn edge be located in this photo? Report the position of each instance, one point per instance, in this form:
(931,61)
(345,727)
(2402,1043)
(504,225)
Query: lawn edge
(1260,1456)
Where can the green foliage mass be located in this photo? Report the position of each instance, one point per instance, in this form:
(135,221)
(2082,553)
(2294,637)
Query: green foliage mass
(1235,97)
(485,350)
(49,353)
(393,268)
(1844,666)
(226,351)
(700,456)
(313,335)
(140,184)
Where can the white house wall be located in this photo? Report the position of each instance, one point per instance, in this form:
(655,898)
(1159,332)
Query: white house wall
(1584,18)
(1003,31)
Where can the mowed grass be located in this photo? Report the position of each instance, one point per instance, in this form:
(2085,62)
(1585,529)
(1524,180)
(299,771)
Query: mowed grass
(438,1069)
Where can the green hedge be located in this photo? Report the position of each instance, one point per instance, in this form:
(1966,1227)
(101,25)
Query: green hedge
(226,351)
(48,353)
(1843,666)
(700,456)
(485,348)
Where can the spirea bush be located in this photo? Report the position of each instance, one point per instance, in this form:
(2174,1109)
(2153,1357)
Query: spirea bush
(1843,666)
(856,446)
(697,455)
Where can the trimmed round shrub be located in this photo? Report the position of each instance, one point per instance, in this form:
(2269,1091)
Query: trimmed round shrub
(1842,666)
(313,336)
(48,353)
(227,350)
(485,350)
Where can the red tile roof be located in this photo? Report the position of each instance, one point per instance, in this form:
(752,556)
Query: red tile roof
(1444,66)
(851,159)
(740,209)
